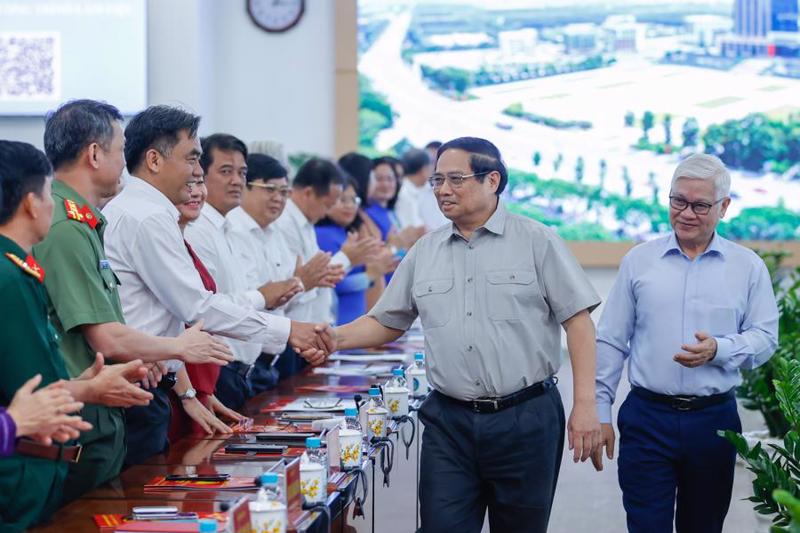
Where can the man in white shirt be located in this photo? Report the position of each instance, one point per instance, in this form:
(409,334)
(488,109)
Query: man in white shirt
(161,291)
(416,205)
(315,189)
(264,255)
(224,163)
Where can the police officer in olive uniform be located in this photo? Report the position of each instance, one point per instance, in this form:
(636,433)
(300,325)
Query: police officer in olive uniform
(85,144)
(30,486)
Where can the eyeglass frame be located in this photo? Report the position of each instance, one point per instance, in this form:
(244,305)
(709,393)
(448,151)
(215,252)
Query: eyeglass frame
(356,201)
(459,181)
(693,205)
(272,189)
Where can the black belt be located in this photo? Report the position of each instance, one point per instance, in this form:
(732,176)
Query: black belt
(240,368)
(684,402)
(493,405)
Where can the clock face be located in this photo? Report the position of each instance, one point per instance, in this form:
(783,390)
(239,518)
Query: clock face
(275,15)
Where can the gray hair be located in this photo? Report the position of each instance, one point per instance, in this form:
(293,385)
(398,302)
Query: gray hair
(705,167)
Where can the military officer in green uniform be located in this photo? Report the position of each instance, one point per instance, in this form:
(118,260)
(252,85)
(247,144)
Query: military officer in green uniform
(31,480)
(85,144)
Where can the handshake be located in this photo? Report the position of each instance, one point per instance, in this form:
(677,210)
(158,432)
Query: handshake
(314,342)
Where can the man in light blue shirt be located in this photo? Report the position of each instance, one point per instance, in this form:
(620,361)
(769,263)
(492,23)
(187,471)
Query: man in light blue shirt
(687,311)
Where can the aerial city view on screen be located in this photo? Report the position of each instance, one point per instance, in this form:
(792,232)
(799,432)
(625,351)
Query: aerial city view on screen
(594,102)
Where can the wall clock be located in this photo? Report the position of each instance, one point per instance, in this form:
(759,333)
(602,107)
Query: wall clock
(276,15)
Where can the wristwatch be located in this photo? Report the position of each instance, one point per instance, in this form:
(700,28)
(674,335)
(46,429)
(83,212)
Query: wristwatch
(188,395)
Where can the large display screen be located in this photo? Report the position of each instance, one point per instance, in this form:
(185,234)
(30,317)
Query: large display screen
(52,51)
(593,103)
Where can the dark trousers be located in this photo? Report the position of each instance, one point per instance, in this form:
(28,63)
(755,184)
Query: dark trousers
(264,376)
(103,451)
(233,388)
(146,428)
(289,363)
(507,462)
(666,454)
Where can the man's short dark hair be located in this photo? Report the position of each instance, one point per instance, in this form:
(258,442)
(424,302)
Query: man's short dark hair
(156,127)
(319,174)
(484,158)
(359,167)
(264,167)
(433,145)
(23,169)
(74,126)
(415,160)
(222,142)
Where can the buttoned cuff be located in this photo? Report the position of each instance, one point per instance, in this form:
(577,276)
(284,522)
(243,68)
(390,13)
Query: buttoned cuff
(724,352)
(256,299)
(277,334)
(604,412)
(341,259)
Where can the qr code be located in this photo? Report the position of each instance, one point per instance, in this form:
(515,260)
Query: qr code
(30,66)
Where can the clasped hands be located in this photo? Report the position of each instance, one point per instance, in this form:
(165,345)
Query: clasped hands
(314,342)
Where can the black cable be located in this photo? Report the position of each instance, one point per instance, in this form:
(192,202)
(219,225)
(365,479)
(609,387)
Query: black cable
(387,456)
(407,420)
(321,508)
(358,502)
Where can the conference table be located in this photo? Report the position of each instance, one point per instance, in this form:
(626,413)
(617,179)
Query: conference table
(195,455)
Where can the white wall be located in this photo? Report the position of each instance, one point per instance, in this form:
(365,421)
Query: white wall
(208,56)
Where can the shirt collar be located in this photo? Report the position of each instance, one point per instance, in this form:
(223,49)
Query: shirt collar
(213,216)
(64,192)
(154,195)
(294,212)
(239,217)
(495,224)
(715,247)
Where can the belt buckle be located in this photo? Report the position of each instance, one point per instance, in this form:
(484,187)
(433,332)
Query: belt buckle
(477,403)
(77,455)
(682,403)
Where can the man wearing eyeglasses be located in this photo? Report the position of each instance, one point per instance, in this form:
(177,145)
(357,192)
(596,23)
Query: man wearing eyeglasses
(492,290)
(264,256)
(687,311)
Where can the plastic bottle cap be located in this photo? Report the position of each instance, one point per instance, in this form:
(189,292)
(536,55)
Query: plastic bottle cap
(398,372)
(269,478)
(419,356)
(313,442)
(351,411)
(208,525)
(374,392)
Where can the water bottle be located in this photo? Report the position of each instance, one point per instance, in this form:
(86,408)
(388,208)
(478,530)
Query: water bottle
(350,437)
(418,377)
(207,525)
(396,394)
(314,472)
(376,415)
(268,511)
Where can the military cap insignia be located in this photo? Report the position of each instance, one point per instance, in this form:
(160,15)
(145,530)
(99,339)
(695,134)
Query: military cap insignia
(30,266)
(80,214)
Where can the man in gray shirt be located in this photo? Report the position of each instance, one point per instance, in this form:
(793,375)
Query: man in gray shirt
(491,290)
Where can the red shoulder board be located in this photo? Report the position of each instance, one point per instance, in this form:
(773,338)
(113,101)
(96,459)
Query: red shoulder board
(73,211)
(80,213)
(88,216)
(30,266)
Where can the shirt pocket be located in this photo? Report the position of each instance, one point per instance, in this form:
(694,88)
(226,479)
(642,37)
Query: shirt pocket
(434,302)
(720,321)
(510,292)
